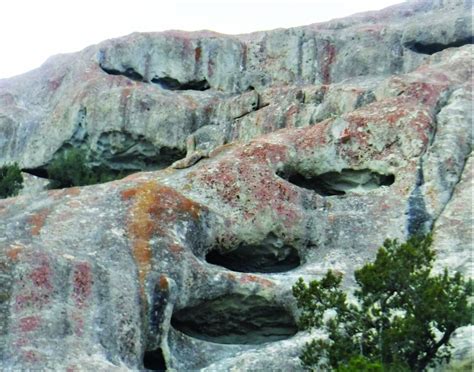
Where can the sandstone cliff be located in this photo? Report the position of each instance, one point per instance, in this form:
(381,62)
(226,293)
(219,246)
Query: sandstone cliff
(293,151)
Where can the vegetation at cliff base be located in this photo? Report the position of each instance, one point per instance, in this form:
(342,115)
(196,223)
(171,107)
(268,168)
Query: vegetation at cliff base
(71,168)
(402,319)
(11,180)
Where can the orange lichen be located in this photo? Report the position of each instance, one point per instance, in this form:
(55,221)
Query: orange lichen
(128,194)
(141,227)
(4,204)
(249,278)
(13,252)
(164,285)
(197,54)
(154,208)
(74,204)
(133,177)
(59,194)
(37,221)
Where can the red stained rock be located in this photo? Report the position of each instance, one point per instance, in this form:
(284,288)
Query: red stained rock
(82,284)
(29,324)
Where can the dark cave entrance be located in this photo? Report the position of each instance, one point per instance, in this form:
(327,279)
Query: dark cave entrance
(432,48)
(174,84)
(263,258)
(236,319)
(154,360)
(339,183)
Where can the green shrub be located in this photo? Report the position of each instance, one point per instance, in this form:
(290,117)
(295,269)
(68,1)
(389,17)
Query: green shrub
(403,319)
(71,168)
(360,364)
(11,180)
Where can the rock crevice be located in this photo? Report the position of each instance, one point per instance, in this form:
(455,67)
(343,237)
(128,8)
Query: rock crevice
(236,319)
(340,183)
(432,48)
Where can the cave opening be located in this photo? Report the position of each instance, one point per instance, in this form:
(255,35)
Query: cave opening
(236,319)
(122,150)
(153,360)
(339,183)
(174,84)
(263,258)
(40,172)
(128,72)
(114,155)
(432,48)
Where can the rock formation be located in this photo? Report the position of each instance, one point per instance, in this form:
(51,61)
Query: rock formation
(293,151)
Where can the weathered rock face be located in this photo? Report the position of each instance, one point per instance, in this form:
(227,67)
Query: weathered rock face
(306,149)
(133,101)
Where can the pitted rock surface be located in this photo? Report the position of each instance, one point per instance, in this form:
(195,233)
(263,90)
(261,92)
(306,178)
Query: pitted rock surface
(295,151)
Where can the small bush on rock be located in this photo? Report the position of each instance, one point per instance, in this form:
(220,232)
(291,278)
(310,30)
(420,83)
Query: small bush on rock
(403,319)
(11,180)
(71,168)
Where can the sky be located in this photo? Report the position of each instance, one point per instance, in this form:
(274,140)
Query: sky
(33,30)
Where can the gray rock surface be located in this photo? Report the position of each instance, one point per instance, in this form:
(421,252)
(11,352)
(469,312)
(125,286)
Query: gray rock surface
(33,185)
(293,151)
(142,95)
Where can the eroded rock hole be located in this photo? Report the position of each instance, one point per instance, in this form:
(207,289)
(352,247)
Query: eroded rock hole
(174,84)
(128,72)
(40,172)
(339,183)
(236,319)
(124,151)
(114,155)
(432,48)
(267,257)
(154,360)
